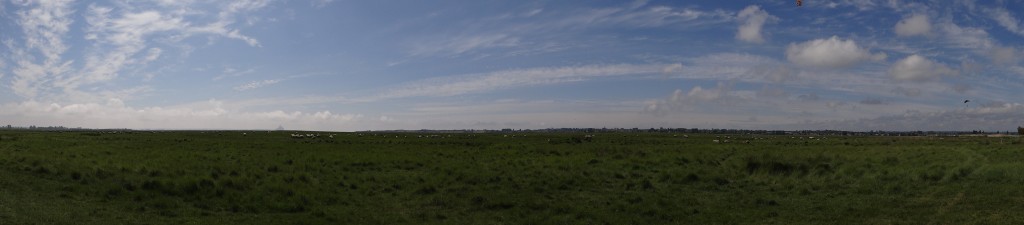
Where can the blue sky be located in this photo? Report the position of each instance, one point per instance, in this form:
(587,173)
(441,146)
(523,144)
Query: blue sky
(372,65)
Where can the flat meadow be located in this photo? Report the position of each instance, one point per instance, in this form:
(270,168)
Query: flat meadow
(261,177)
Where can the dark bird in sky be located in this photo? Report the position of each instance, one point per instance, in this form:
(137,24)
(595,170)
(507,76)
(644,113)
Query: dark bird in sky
(966,101)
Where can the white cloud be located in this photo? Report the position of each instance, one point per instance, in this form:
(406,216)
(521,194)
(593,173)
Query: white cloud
(672,69)
(221,28)
(752,20)
(990,117)
(752,69)
(700,94)
(457,85)
(153,54)
(967,37)
(1007,20)
(686,100)
(1004,55)
(259,84)
(514,113)
(293,101)
(533,12)
(45,26)
(732,60)
(918,68)
(506,32)
(256,84)
(729,66)
(909,92)
(917,24)
(1019,70)
(775,73)
(31,79)
(639,16)
(830,53)
(126,36)
(212,114)
(120,39)
(234,7)
(774,92)
(961,88)
(663,16)
(232,72)
(495,107)
(979,42)
(321,3)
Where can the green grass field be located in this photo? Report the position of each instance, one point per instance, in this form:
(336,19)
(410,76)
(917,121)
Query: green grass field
(618,178)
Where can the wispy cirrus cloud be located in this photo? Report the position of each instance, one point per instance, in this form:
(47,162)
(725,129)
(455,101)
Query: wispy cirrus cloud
(321,3)
(126,36)
(121,37)
(978,41)
(636,14)
(233,72)
(452,46)
(256,84)
(1006,19)
(267,82)
(44,27)
(516,78)
(211,114)
(523,33)
(655,16)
